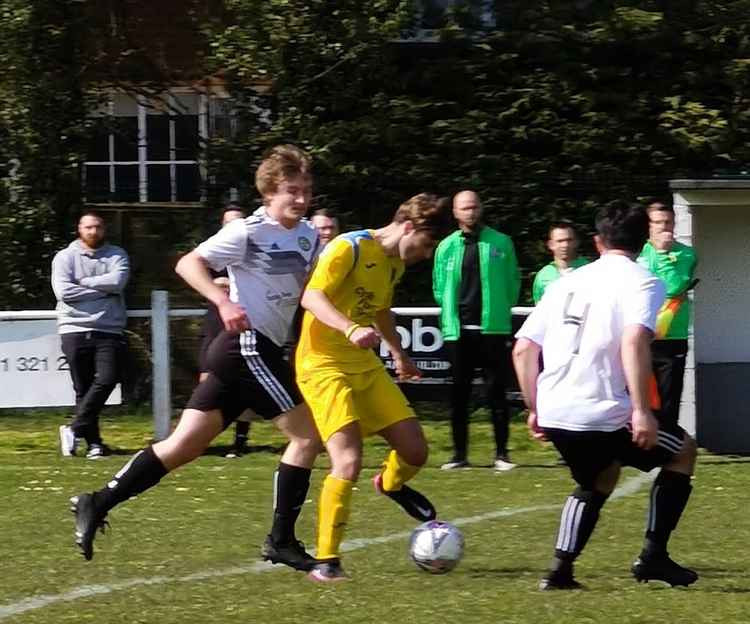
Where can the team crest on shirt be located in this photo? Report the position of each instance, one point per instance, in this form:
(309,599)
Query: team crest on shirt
(303,243)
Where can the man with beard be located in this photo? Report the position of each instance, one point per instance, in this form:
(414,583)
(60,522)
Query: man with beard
(89,277)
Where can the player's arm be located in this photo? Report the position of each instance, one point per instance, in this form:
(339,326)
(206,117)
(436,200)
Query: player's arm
(526,362)
(513,280)
(319,305)
(438,275)
(193,268)
(112,282)
(635,348)
(403,364)
(64,285)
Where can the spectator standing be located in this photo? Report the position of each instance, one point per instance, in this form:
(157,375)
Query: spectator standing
(476,282)
(562,241)
(327,225)
(88,278)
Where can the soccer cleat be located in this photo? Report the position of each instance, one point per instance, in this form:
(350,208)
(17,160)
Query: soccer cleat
(555,581)
(328,571)
(292,554)
(97,451)
(455,464)
(68,441)
(503,463)
(662,568)
(88,520)
(412,502)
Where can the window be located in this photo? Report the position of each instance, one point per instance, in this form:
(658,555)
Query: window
(432,15)
(148,148)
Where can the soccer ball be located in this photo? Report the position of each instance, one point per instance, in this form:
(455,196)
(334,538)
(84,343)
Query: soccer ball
(436,546)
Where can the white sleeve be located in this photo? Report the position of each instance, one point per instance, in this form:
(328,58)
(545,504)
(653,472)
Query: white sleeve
(534,327)
(226,247)
(641,305)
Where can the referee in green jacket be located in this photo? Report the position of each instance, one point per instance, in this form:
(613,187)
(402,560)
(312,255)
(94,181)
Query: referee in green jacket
(674,263)
(476,281)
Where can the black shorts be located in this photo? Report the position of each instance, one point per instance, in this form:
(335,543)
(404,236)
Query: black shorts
(246,370)
(588,453)
(211,327)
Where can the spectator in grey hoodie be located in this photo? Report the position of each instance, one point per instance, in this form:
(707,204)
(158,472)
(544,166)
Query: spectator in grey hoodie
(89,277)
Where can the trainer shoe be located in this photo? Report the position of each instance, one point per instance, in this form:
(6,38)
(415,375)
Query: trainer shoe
(503,463)
(455,464)
(97,451)
(292,554)
(412,502)
(238,450)
(555,581)
(88,520)
(662,568)
(328,571)
(68,441)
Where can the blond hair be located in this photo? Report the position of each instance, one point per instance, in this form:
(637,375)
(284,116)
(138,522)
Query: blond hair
(279,163)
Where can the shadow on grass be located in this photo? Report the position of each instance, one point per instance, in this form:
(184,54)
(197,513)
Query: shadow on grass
(222,450)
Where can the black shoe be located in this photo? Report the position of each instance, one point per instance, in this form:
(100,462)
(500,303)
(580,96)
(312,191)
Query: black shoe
(662,568)
(327,571)
(97,451)
(88,520)
(559,581)
(292,554)
(238,450)
(412,502)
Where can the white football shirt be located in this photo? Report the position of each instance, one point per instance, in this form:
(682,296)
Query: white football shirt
(579,324)
(268,265)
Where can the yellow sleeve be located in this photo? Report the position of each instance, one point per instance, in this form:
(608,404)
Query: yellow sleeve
(334,265)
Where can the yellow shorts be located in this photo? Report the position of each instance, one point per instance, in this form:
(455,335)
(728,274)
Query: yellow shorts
(336,399)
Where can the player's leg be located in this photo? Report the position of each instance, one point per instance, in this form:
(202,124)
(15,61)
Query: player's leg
(462,370)
(383,409)
(291,482)
(408,456)
(590,457)
(144,470)
(344,448)
(669,358)
(241,434)
(676,451)
(495,363)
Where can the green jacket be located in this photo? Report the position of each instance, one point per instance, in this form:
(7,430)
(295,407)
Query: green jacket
(501,281)
(548,274)
(675,268)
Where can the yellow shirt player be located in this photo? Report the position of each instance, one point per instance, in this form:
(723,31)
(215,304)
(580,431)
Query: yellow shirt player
(349,391)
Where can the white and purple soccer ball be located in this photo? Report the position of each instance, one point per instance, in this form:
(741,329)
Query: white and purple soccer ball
(436,546)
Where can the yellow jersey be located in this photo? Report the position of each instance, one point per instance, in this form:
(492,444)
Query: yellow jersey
(358,278)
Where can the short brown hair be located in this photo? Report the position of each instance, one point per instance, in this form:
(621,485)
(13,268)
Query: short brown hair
(428,213)
(279,163)
(657,205)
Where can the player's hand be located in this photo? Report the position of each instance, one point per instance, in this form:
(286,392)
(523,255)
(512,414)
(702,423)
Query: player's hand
(645,429)
(534,428)
(405,367)
(234,317)
(365,337)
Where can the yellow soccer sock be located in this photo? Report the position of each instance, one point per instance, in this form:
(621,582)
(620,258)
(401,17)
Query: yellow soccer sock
(396,472)
(333,514)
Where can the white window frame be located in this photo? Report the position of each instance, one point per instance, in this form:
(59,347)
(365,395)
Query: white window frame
(143,107)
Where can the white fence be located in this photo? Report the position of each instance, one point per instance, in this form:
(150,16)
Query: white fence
(20,352)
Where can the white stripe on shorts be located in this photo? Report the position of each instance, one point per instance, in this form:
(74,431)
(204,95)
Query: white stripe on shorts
(263,374)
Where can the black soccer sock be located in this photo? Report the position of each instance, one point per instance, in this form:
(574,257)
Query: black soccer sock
(144,470)
(669,496)
(577,521)
(290,486)
(241,429)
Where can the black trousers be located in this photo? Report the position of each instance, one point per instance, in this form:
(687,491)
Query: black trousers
(96,362)
(668,361)
(489,353)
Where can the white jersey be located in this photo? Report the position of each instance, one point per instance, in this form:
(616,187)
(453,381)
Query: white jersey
(579,324)
(268,265)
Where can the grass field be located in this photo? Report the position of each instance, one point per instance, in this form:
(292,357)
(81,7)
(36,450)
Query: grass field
(186,551)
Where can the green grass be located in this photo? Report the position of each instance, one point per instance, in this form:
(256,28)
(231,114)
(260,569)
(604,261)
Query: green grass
(211,516)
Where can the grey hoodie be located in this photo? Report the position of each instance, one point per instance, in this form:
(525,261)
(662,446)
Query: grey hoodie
(88,286)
